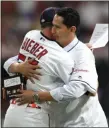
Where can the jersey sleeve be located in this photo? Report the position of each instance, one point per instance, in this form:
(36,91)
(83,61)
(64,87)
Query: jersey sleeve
(8,63)
(64,70)
(11,60)
(68,92)
(84,78)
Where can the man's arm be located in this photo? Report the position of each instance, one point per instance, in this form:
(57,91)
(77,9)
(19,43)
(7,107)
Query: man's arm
(78,85)
(27,96)
(8,63)
(60,94)
(73,89)
(25,68)
(69,91)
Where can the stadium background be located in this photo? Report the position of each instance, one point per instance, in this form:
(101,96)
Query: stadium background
(18,17)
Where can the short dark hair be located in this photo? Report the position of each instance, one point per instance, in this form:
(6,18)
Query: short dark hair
(70,16)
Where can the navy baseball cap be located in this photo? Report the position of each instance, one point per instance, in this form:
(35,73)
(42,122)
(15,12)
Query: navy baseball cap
(47,15)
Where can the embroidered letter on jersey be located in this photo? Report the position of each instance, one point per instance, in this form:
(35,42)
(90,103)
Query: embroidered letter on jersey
(34,48)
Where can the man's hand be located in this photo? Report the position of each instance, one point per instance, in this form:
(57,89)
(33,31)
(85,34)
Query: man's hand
(29,70)
(26,96)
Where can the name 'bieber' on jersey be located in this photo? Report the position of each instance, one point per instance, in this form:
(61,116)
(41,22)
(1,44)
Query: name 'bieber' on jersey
(57,64)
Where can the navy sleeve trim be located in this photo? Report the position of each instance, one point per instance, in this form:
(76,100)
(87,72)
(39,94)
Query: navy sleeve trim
(85,83)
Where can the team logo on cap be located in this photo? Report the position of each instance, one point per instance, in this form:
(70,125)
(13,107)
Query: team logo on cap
(43,20)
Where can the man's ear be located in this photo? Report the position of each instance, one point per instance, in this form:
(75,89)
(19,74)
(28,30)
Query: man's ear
(73,29)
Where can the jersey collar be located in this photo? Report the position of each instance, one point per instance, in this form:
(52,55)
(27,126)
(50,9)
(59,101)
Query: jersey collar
(71,45)
(46,37)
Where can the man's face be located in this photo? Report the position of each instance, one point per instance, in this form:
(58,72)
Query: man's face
(59,30)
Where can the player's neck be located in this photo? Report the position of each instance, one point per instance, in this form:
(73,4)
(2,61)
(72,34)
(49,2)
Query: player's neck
(47,33)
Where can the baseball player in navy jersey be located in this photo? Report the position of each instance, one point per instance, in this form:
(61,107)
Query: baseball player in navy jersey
(76,107)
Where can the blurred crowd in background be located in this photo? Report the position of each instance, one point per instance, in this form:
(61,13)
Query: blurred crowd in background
(19,17)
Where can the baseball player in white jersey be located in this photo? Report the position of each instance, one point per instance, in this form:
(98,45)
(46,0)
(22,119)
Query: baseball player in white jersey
(55,67)
(82,110)
(75,107)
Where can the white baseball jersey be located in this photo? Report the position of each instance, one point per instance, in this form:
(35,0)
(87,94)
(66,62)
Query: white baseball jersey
(55,62)
(74,108)
(56,70)
(81,110)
